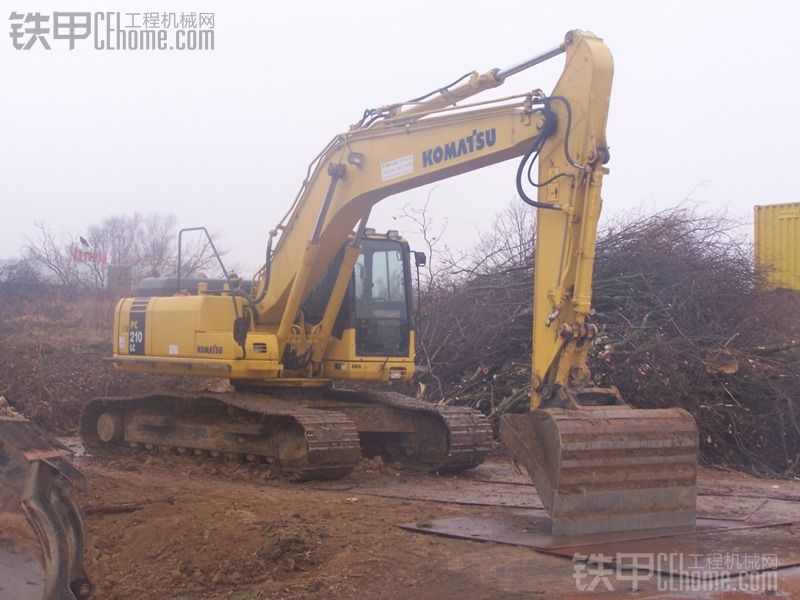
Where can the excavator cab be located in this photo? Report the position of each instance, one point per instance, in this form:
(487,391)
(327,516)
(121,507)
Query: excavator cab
(375,322)
(379,299)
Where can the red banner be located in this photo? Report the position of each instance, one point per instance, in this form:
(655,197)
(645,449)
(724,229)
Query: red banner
(89,256)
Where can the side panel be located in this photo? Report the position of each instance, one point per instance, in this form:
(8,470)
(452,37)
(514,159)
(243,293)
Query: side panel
(342,362)
(158,326)
(189,335)
(777,244)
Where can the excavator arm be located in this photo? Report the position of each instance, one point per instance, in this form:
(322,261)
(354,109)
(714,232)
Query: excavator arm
(598,465)
(415,144)
(571,170)
(394,149)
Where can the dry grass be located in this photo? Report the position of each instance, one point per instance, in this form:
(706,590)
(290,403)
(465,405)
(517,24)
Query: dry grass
(52,344)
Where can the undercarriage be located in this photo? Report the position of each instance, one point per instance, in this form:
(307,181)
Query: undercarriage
(302,434)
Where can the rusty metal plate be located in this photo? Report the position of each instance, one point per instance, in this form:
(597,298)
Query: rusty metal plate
(531,528)
(731,508)
(710,538)
(492,484)
(446,490)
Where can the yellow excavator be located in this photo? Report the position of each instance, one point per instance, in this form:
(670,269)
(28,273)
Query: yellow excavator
(332,303)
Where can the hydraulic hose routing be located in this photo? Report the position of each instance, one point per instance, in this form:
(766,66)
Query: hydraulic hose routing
(529,158)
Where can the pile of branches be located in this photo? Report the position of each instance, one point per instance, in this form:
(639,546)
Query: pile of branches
(684,322)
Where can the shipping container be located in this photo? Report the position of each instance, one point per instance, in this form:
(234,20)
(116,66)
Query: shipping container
(777,244)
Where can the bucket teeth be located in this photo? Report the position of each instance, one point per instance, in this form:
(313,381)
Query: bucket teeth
(609,468)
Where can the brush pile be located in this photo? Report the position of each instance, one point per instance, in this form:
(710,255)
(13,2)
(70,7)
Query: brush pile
(683,318)
(684,323)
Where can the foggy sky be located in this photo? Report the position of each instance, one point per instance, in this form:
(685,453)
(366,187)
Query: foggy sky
(703,106)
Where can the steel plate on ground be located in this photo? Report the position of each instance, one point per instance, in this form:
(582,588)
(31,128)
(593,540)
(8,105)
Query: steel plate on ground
(780,541)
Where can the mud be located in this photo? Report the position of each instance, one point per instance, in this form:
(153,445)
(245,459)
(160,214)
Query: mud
(232,531)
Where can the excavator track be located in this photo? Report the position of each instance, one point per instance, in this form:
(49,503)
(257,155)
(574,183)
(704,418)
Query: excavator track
(432,436)
(297,441)
(302,433)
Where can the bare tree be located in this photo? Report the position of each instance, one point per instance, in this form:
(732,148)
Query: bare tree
(18,271)
(508,244)
(157,241)
(431,233)
(136,245)
(56,257)
(197,256)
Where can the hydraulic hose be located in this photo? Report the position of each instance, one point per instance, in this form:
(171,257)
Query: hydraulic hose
(550,126)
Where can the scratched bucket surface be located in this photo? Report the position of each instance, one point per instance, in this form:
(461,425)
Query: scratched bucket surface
(22,572)
(608,468)
(41,526)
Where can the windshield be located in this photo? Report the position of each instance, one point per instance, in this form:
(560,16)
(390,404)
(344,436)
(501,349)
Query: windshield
(377,300)
(379,285)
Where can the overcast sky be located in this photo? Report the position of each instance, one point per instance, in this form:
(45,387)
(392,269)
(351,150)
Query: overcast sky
(704,104)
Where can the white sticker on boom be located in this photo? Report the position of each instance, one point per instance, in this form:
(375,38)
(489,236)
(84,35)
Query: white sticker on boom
(173,348)
(122,342)
(397,167)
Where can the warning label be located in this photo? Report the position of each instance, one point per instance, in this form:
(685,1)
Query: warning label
(397,167)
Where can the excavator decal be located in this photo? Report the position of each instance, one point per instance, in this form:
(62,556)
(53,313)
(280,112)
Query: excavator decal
(213,349)
(475,142)
(136,323)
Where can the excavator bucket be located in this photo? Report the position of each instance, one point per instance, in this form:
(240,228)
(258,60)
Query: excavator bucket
(41,529)
(608,468)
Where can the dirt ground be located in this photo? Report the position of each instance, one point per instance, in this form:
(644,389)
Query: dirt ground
(219,530)
(222,530)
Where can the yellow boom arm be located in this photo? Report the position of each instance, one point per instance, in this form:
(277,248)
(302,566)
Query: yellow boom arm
(416,144)
(598,465)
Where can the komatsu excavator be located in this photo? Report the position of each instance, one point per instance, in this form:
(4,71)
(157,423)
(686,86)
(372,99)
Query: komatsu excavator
(332,302)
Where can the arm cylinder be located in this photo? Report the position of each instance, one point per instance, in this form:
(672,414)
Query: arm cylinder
(502,74)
